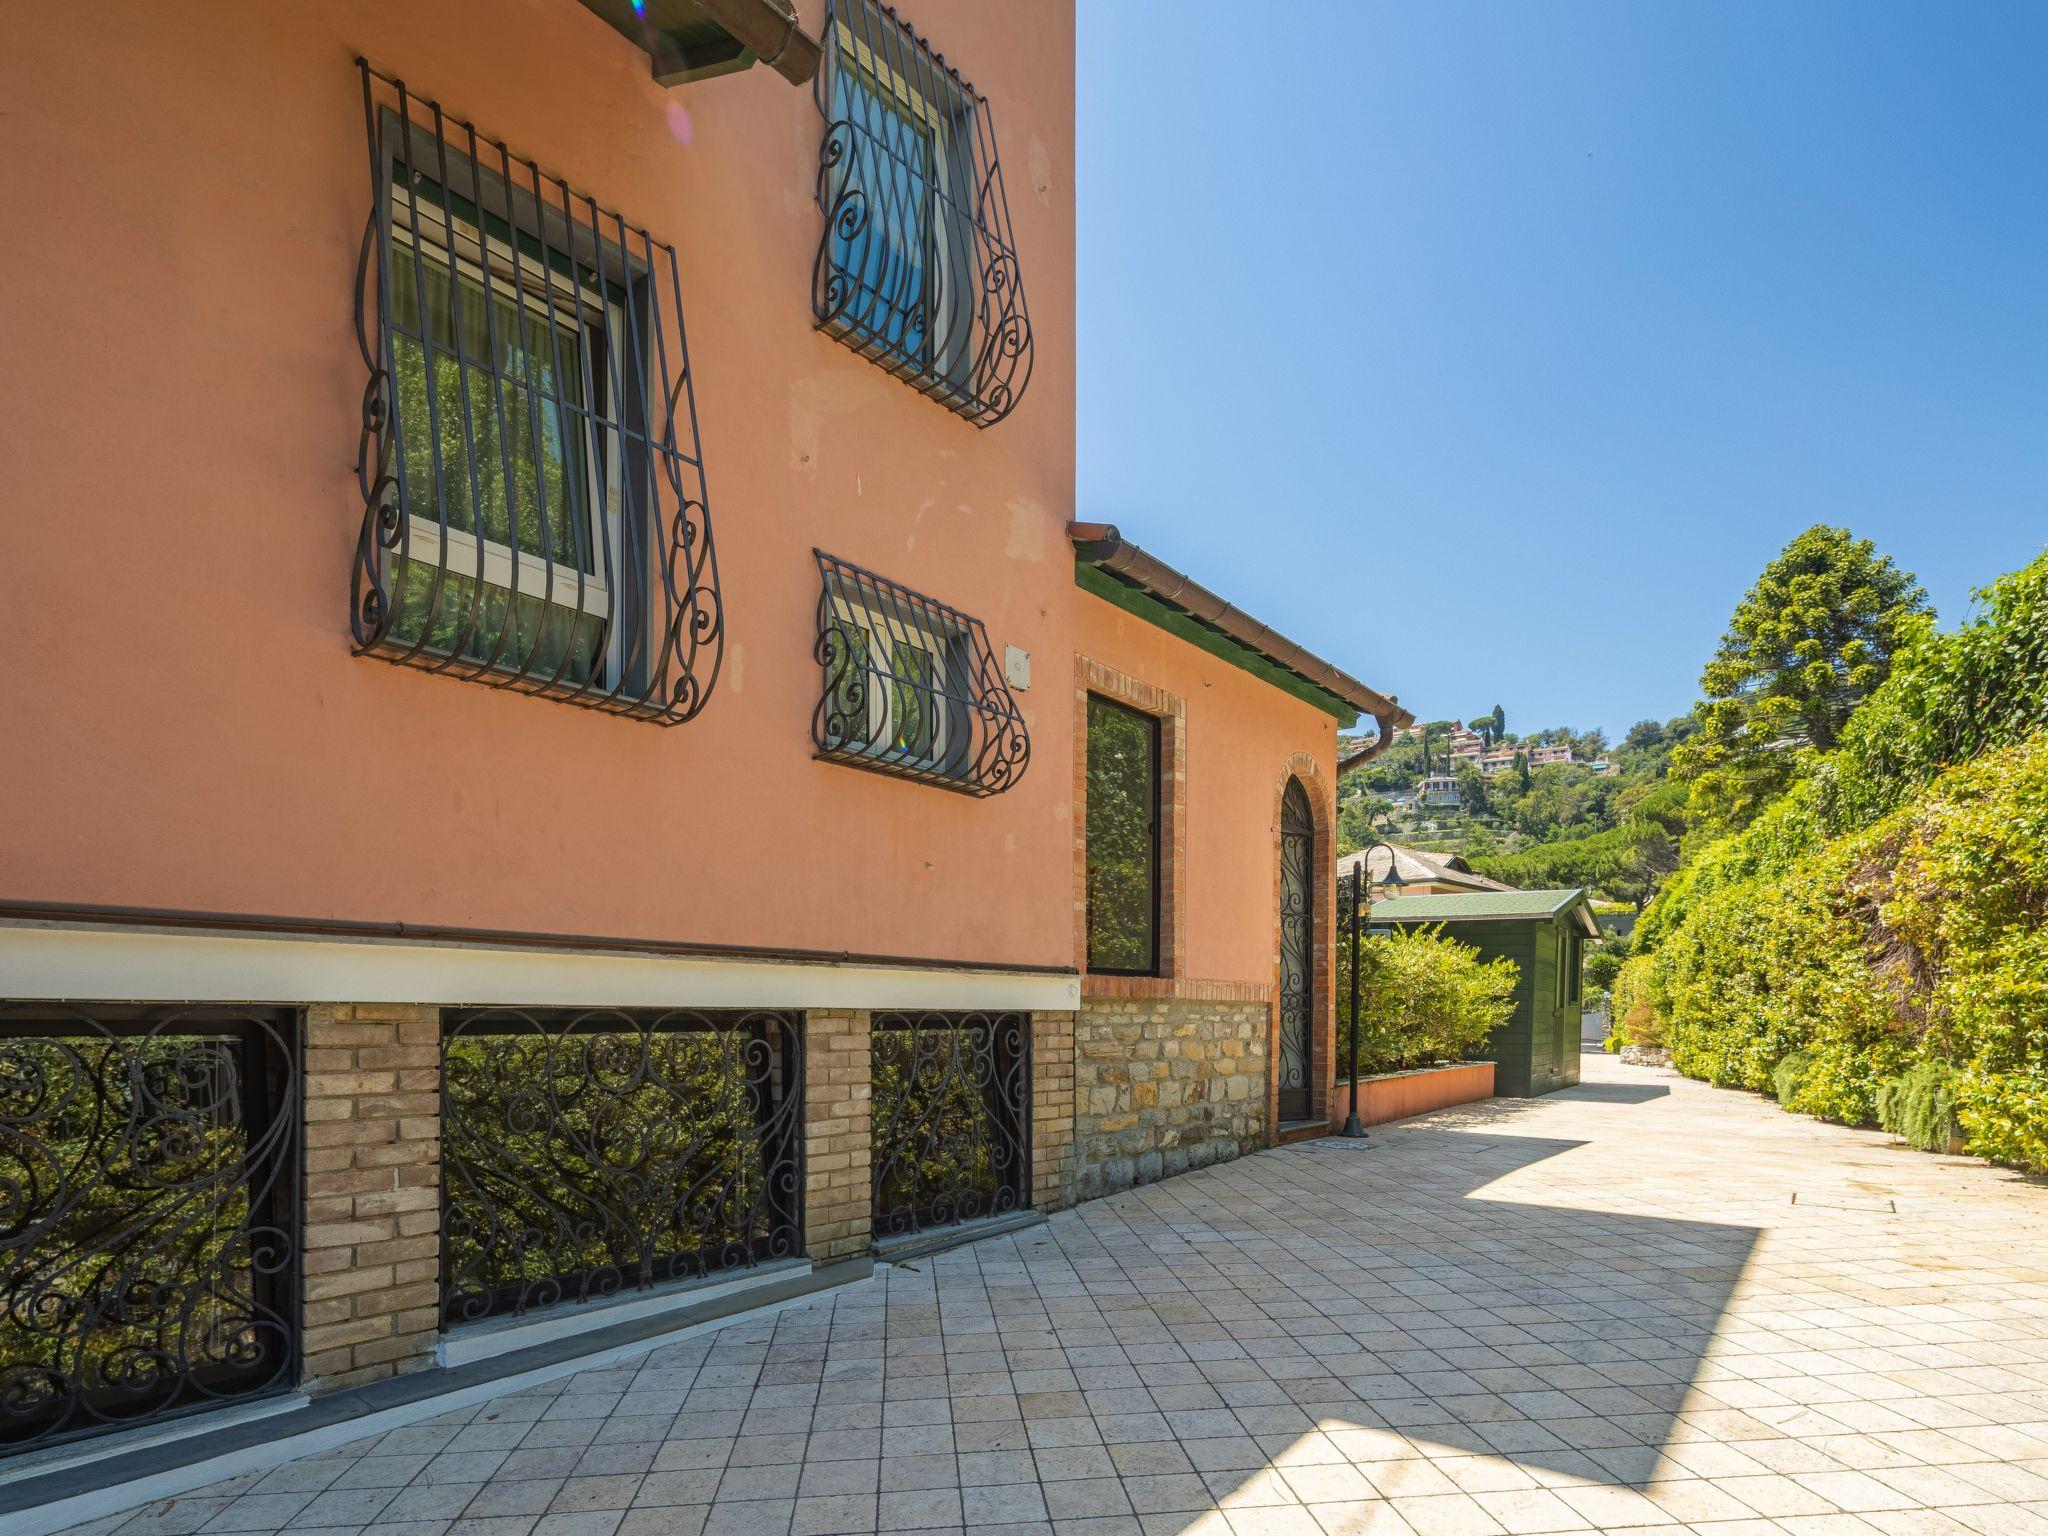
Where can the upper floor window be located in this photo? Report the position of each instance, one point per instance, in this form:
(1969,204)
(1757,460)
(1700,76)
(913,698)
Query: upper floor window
(534,516)
(1122,839)
(916,270)
(912,687)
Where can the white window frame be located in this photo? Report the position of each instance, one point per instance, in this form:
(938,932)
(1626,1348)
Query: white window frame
(456,243)
(885,623)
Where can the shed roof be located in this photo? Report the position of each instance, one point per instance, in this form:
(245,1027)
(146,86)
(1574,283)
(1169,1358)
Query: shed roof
(1417,865)
(1488,907)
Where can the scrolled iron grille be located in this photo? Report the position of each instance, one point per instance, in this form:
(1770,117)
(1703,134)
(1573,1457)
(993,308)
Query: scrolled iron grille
(912,687)
(148,1215)
(588,1154)
(951,1115)
(916,268)
(534,508)
(1297,950)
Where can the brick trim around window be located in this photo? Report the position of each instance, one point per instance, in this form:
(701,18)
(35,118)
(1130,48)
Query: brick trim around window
(1171,712)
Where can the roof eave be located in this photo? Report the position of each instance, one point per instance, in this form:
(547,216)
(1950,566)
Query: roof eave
(1100,545)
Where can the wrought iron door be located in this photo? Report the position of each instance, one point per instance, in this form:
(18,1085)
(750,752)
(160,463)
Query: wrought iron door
(149,1219)
(952,1109)
(1297,951)
(591,1153)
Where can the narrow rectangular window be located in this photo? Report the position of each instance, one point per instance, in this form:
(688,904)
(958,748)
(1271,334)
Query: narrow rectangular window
(1122,840)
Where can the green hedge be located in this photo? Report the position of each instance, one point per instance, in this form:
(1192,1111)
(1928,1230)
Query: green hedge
(1887,919)
(1424,999)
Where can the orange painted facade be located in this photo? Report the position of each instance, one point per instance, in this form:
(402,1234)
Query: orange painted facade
(186,726)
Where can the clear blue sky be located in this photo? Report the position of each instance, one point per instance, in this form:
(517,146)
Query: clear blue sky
(1490,350)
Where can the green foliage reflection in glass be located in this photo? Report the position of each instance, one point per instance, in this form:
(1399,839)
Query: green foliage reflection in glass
(1123,848)
(125,1251)
(948,1112)
(596,1161)
(915,680)
(519,399)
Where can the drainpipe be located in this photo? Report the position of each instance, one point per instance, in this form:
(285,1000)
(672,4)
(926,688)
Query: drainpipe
(1379,744)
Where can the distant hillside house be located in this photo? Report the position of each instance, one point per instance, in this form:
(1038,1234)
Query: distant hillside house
(1503,758)
(1438,789)
(1422,873)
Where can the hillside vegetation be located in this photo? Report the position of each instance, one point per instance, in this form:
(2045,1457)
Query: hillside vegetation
(1860,921)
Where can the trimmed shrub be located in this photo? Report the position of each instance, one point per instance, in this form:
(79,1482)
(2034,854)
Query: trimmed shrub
(1425,999)
(1786,1076)
(1918,1107)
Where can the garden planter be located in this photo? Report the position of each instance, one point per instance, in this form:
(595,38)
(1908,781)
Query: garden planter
(1397,1095)
(1645,1056)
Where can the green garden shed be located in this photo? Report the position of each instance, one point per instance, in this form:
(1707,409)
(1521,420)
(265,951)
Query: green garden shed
(1544,933)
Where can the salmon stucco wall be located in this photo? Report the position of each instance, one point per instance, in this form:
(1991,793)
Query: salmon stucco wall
(185,724)
(1242,735)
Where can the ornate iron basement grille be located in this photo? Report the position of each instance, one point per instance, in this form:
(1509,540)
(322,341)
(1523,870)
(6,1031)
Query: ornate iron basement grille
(912,687)
(916,269)
(591,1153)
(149,1214)
(534,511)
(951,1118)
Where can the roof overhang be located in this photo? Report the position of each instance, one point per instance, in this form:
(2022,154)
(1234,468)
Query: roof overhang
(689,40)
(1573,904)
(1118,571)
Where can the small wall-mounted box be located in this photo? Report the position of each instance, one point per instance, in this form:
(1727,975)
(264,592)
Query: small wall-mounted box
(1016,667)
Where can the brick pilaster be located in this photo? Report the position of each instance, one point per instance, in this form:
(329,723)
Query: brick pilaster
(838,1092)
(1052,1108)
(373,1191)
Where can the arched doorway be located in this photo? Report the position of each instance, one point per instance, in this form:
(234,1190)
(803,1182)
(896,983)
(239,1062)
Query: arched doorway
(1297,954)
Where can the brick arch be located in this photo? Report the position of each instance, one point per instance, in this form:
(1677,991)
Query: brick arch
(1322,808)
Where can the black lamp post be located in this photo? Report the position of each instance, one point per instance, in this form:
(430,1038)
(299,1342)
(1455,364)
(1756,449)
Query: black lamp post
(1361,910)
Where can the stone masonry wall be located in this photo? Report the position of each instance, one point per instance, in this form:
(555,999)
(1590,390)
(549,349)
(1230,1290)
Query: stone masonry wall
(373,1191)
(838,1093)
(1163,1084)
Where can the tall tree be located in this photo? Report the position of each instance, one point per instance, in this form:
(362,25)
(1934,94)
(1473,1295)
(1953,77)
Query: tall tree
(1806,645)
(1811,639)
(1500,724)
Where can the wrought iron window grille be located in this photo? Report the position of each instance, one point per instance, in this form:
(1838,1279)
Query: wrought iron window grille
(912,687)
(534,504)
(591,1153)
(149,1214)
(951,1118)
(916,268)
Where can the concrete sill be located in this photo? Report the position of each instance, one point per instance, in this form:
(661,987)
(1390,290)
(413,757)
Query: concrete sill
(504,1335)
(82,1453)
(916,1245)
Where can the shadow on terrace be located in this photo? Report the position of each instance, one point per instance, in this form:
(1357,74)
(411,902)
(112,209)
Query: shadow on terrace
(1326,1324)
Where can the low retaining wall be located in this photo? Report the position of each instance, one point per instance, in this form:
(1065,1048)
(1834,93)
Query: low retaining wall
(1397,1095)
(1162,1085)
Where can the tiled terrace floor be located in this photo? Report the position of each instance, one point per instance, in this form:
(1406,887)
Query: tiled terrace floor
(1641,1305)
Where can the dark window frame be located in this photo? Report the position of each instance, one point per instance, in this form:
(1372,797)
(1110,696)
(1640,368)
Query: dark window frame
(1156,726)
